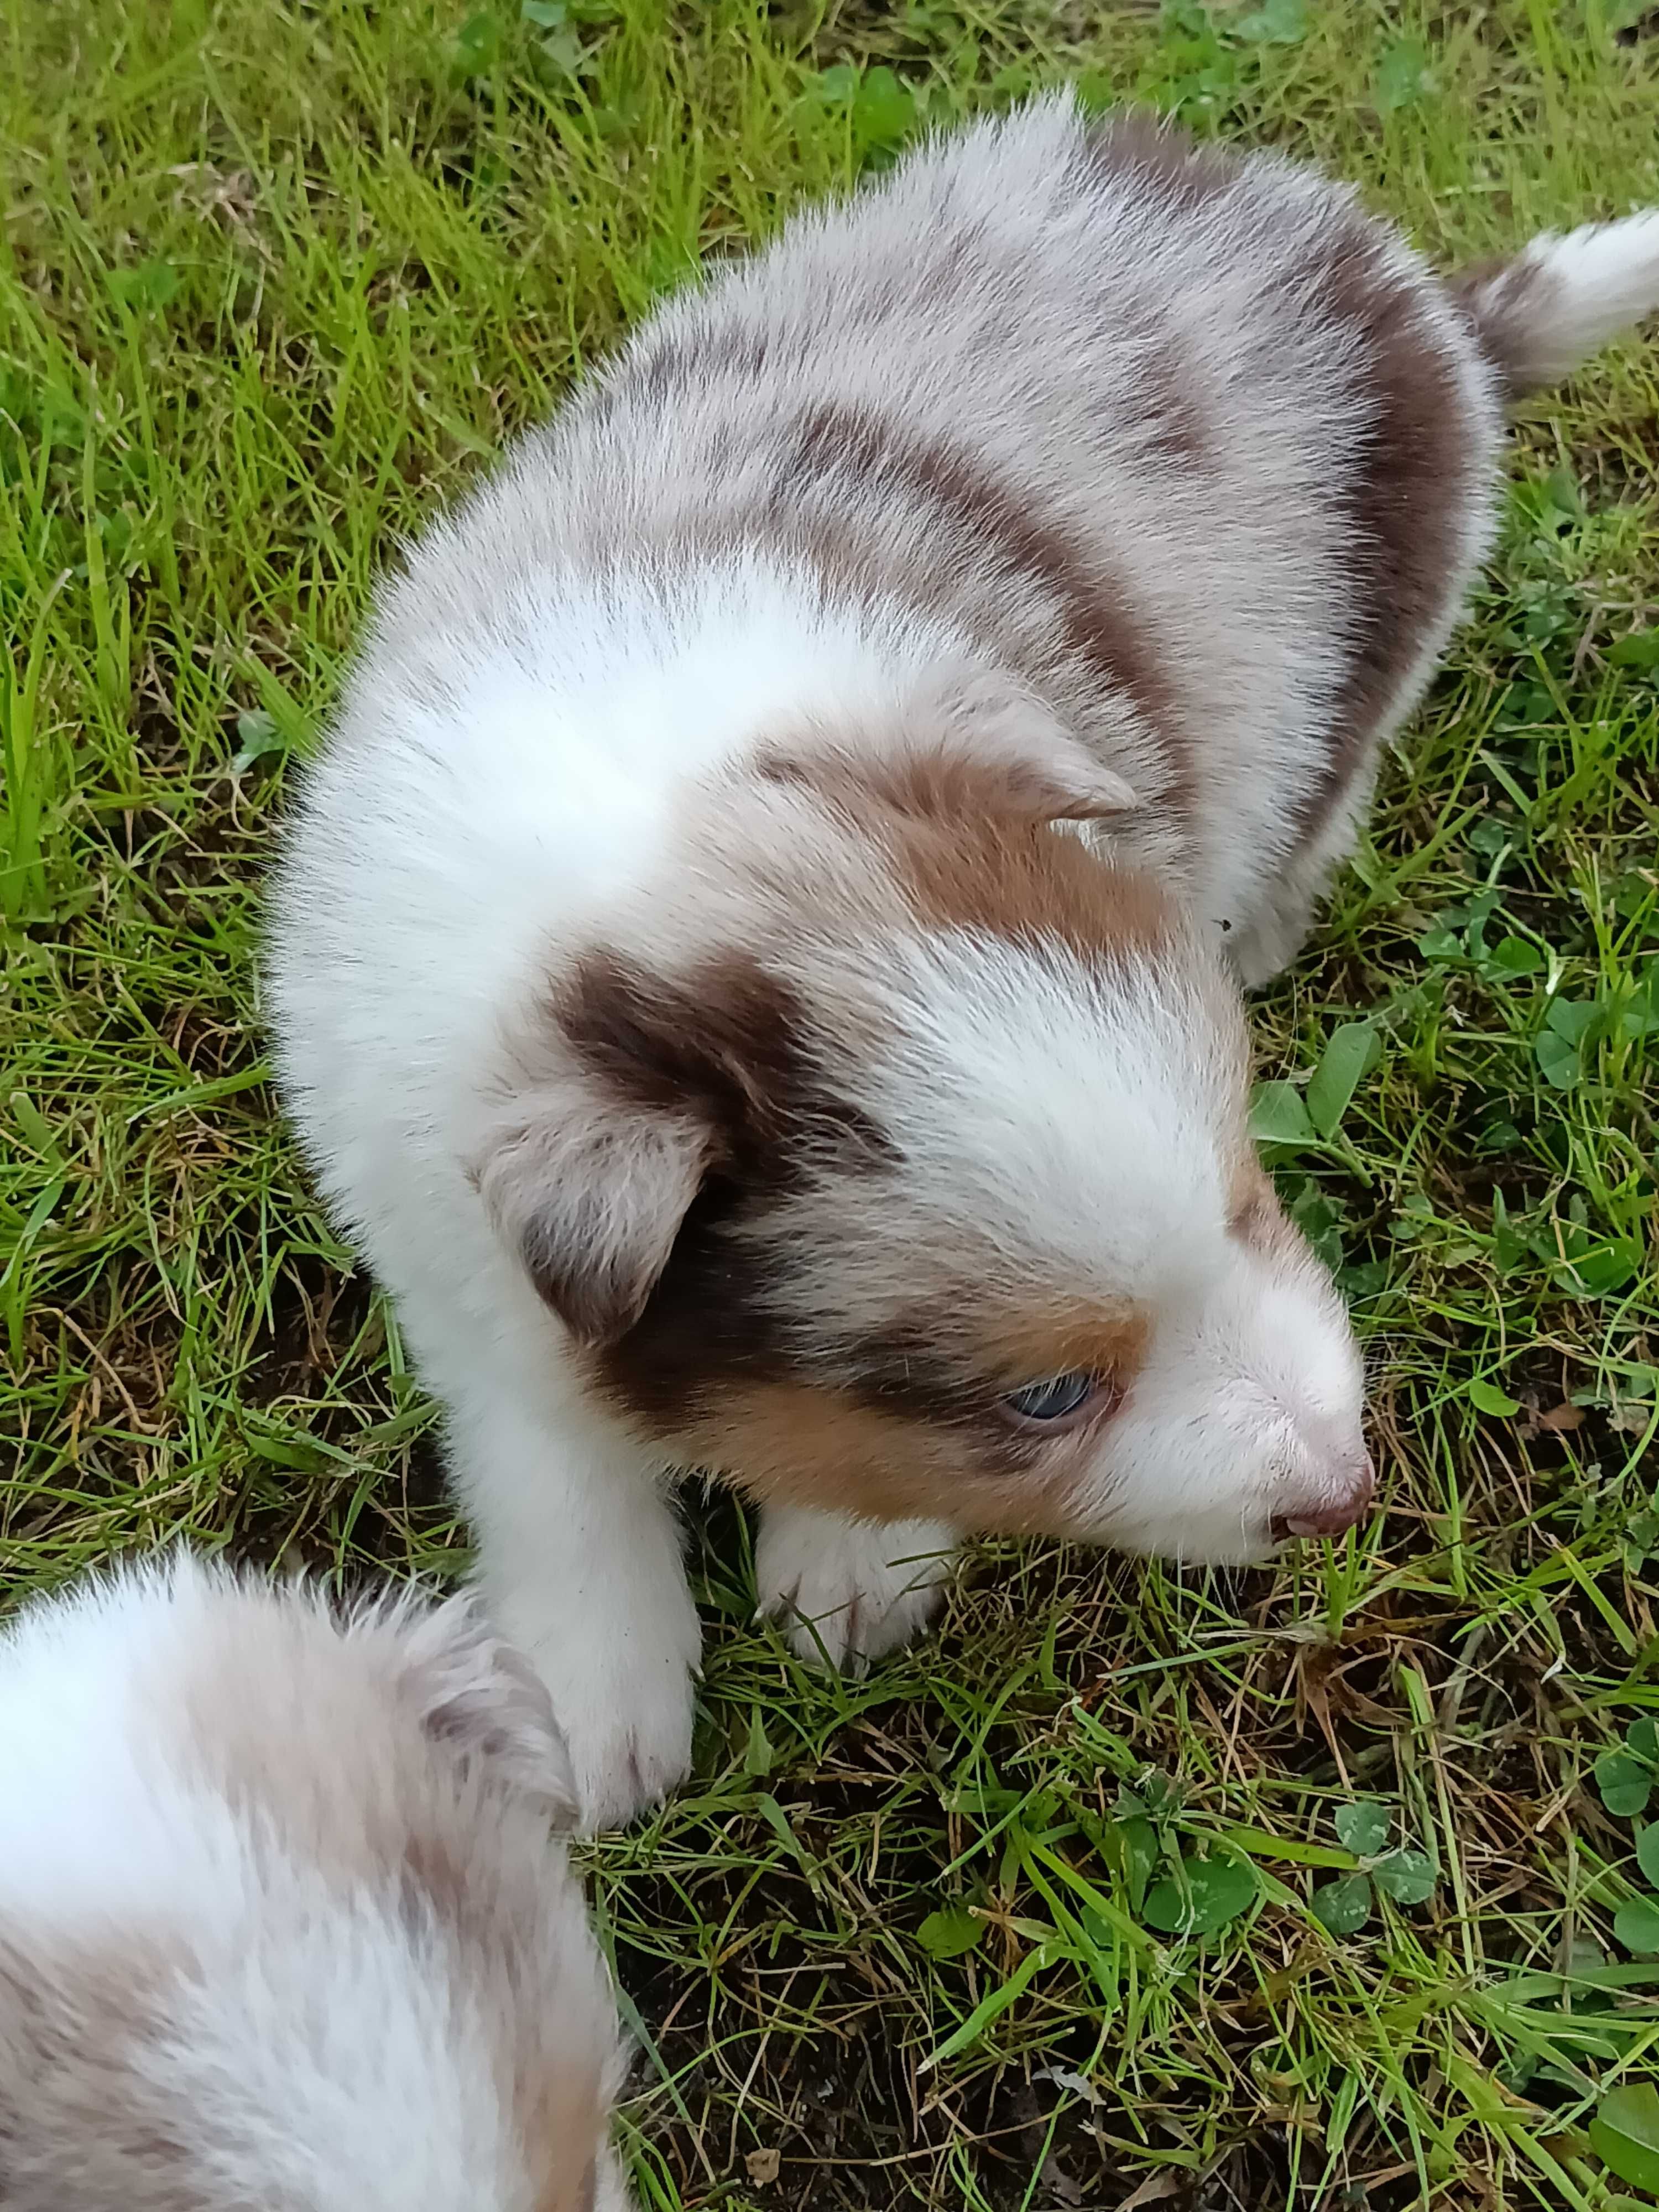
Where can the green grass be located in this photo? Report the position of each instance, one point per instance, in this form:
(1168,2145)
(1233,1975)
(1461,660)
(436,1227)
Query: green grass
(275,279)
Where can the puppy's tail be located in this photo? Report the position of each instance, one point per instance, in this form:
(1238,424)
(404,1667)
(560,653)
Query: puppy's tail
(1539,315)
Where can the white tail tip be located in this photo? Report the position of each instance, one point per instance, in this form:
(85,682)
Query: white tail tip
(1562,298)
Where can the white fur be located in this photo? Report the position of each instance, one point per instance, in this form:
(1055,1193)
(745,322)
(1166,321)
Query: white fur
(209,1938)
(613,1624)
(959,431)
(854,1590)
(1252,1394)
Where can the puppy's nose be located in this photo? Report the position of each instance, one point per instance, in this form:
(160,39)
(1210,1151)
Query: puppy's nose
(1346,1501)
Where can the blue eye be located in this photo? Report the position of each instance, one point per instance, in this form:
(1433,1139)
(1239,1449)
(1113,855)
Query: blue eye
(1052,1399)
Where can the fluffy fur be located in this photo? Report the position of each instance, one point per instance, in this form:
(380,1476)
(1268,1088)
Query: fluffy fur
(283,1919)
(757,965)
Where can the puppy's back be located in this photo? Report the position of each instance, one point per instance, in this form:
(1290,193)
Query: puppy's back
(1183,437)
(283,1920)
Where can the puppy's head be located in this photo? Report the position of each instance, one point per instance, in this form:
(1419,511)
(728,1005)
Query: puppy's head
(893,1159)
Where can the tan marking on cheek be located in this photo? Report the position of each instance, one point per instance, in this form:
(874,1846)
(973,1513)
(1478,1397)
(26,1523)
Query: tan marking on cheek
(796,1444)
(791,1444)
(922,1431)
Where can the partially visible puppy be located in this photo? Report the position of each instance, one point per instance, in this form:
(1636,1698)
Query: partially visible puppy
(285,1921)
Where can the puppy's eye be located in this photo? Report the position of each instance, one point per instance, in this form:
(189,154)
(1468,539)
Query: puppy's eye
(1054,1397)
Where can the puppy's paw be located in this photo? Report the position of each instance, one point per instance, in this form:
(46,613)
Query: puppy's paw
(852,1590)
(621,1682)
(633,1750)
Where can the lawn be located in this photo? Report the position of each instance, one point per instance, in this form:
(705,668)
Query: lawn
(1319,1886)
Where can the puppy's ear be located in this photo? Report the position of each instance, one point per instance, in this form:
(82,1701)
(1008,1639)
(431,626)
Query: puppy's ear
(1028,765)
(651,1082)
(590,1190)
(480,1698)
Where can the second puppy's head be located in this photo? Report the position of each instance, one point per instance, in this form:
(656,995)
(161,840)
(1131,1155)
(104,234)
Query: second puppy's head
(890,1156)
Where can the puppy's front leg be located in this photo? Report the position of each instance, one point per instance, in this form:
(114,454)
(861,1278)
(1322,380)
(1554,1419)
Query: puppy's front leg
(852,1590)
(581,1560)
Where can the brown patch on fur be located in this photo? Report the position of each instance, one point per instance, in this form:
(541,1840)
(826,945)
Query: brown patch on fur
(671,361)
(434,1883)
(1098,621)
(1256,1218)
(252,1717)
(1404,497)
(79,2123)
(942,782)
(1027,881)
(730,1043)
(794,1443)
(1504,300)
(963,862)
(1179,426)
(1162,161)
(956,1360)
(723,1040)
